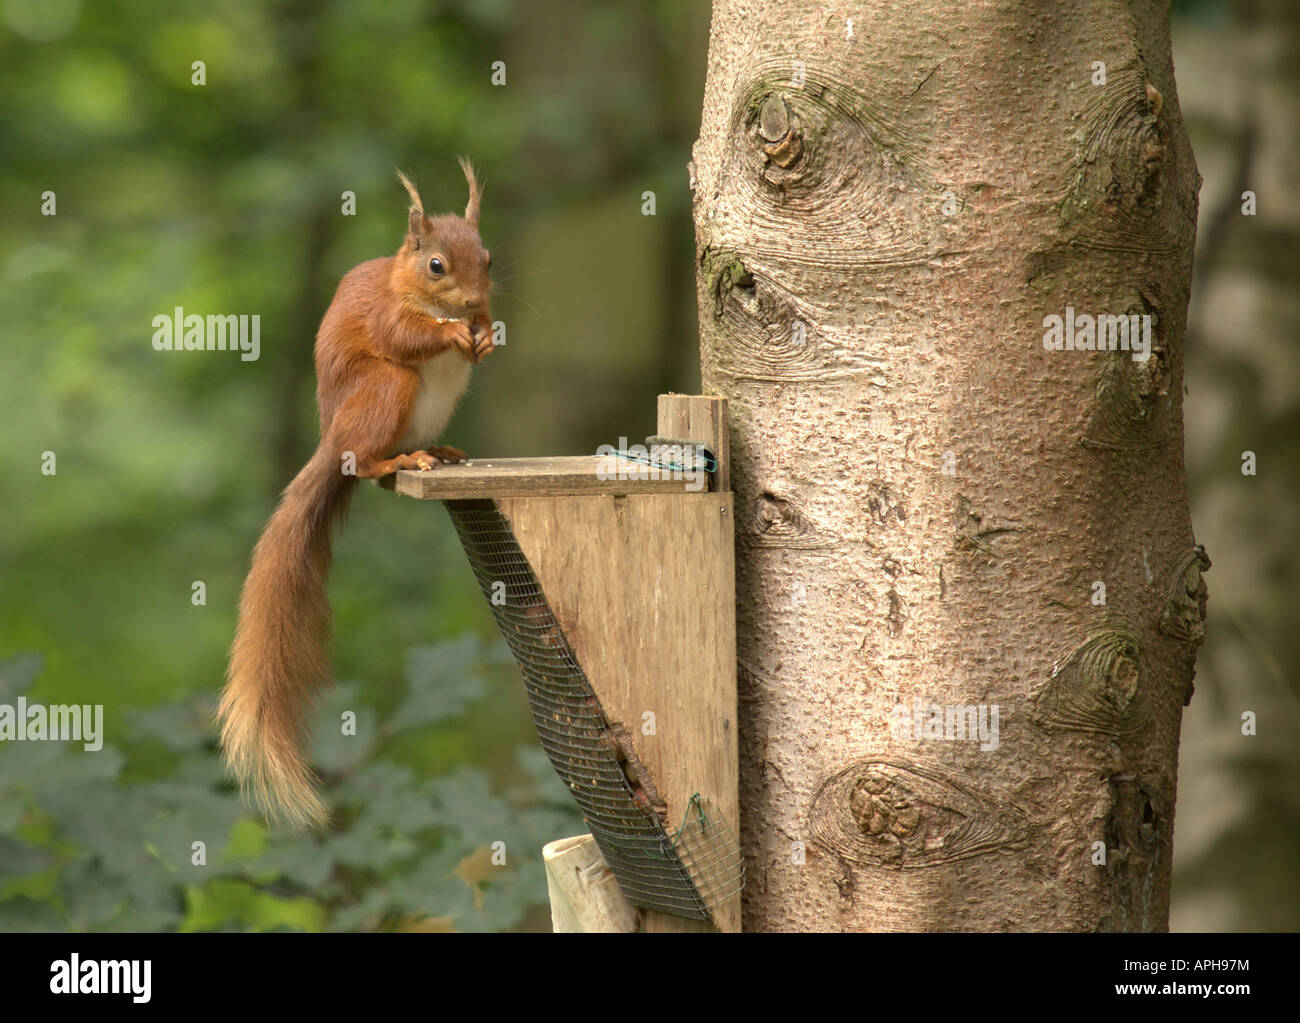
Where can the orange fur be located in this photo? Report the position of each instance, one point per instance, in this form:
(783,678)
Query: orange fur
(388,318)
(278,660)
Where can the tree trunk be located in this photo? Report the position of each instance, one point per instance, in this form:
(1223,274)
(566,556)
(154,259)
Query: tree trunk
(934,511)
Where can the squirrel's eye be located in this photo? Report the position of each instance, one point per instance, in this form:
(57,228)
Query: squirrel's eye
(436,268)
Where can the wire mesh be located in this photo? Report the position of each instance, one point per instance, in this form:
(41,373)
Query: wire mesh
(652,870)
(709,850)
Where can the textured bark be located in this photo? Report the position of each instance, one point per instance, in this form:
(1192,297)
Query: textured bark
(867,574)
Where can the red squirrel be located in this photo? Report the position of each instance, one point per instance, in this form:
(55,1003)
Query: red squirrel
(393,356)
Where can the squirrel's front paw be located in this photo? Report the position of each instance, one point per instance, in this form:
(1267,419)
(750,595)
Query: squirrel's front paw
(462,340)
(482,333)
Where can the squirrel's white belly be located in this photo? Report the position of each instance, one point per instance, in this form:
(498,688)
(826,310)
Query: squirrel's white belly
(442,382)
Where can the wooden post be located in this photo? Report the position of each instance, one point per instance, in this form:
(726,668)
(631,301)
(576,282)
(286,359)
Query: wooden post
(704,420)
(585,897)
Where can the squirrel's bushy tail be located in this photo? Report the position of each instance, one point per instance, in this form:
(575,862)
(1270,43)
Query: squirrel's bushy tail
(279,661)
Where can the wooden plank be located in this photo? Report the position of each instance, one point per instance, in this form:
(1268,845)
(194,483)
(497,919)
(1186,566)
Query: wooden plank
(569,475)
(703,419)
(644,589)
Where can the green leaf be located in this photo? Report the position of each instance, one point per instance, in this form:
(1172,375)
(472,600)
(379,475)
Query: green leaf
(180,727)
(220,902)
(41,767)
(92,897)
(295,859)
(331,750)
(444,680)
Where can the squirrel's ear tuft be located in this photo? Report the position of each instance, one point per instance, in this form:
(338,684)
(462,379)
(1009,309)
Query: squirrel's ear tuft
(409,185)
(475,193)
(416,220)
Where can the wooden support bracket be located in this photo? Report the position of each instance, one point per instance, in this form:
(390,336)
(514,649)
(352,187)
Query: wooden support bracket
(607,572)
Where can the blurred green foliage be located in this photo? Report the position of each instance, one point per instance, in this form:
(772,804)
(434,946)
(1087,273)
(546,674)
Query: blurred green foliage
(227,198)
(84,847)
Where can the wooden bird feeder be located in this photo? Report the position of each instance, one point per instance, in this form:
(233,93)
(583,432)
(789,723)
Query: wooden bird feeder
(612,580)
